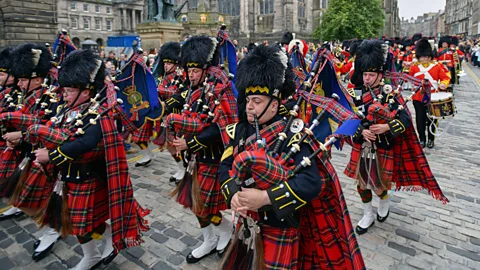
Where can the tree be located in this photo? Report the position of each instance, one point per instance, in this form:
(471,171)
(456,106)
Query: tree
(347,19)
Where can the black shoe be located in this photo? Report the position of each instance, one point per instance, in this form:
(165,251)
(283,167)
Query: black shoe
(430,143)
(382,219)
(172,179)
(222,251)
(142,164)
(5,217)
(37,256)
(36,244)
(422,144)
(359,230)
(109,258)
(191,259)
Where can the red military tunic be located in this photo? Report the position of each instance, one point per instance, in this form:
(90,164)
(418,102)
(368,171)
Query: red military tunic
(445,57)
(434,72)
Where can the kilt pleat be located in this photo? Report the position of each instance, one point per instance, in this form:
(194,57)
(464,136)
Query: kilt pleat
(212,198)
(88,205)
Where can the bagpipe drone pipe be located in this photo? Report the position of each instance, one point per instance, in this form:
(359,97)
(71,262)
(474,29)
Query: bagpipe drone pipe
(52,136)
(264,165)
(211,104)
(309,100)
(18,160)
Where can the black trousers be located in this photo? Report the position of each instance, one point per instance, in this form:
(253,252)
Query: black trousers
(423,122)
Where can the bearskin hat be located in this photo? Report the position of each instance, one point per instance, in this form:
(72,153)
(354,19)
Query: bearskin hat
(265,71)
(31,60)
(346,44)
(287,37)
(5,59)
(251,47)
(371,56)
(82,69)
(423,48)
(416,37)
(407,42)
(454,41)
(169,53)
(397,40)
(354,46)
(200,52)
(443,39)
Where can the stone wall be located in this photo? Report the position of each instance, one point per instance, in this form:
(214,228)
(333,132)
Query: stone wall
(27,21)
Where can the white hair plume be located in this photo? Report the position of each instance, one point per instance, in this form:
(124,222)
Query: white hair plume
(94,72)
(214,48)
(36,56)
(284,60)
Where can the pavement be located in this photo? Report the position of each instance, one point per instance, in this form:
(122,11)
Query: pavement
(420,233)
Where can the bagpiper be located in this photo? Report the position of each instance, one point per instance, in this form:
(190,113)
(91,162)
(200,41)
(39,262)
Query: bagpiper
(209,107)
(386,150)
(92,183)
(283,213)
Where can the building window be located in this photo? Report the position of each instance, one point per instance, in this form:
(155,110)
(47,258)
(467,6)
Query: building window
(98,23)
(230,7)
(74,23)
(193,4)
(266,6)
(301,8)
(97,8)
(85,7)
(324,4)
(73,6)
(86,23)
(109,10)
(109,25)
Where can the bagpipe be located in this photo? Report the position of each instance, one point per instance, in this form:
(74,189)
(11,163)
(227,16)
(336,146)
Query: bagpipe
(257,167)
(51,136)
(201,109)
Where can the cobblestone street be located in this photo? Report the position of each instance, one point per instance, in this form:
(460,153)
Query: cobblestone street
(420,233)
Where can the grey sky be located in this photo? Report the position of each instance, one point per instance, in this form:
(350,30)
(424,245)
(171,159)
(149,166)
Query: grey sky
(414,8)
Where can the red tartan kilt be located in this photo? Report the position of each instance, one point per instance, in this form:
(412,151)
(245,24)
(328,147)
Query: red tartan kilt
(88,205)
(212,198)
(36,189)
(281,247)
(385,159)
(8,163)
(144,133)
(325,247)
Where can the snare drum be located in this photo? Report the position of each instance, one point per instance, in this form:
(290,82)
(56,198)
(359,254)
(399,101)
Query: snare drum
(442,105)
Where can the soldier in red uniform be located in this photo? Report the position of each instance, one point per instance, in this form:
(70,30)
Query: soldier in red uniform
(437,75)
(445,56)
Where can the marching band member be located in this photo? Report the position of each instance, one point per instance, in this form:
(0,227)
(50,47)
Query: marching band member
(31,64)
(91,176)
(385,148)
(203,126)
(292,215)
(425,68)
(170,92)
(445,57)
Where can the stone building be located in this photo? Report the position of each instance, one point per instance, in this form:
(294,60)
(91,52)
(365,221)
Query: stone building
(458,15)
(98,19)
(27,21)
(392,19)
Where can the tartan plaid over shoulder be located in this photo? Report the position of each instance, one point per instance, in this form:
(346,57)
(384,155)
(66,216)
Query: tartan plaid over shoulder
(405,165)
(225,113)
(126,214)
(327,238)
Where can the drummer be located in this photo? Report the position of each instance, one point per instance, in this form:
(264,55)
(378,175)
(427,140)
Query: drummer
(436,73)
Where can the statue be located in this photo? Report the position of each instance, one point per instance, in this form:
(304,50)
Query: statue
(161,10)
